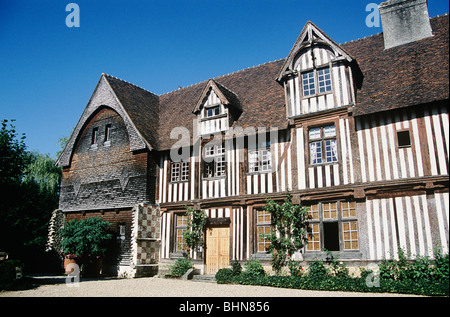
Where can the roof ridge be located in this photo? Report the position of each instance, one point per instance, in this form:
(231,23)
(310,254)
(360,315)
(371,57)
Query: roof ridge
(214,78)
(362,38)
(127,82)
(244,69)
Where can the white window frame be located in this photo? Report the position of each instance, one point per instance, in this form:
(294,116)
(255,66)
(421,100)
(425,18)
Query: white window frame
(316,82)
(179,172)
(260,160)
(323,144)
(214,161)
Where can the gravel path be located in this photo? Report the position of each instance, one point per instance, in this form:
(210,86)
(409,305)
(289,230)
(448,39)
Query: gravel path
(160,287)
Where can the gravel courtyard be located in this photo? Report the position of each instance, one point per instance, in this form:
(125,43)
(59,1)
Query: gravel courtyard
(160,287)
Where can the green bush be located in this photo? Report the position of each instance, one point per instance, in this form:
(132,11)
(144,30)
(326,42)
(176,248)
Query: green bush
(224,276)
(317,269)
(347,284)
(295,268)
(441,266)
(253,268)
(236,268)
(418,277)
(8,273)
(180,267)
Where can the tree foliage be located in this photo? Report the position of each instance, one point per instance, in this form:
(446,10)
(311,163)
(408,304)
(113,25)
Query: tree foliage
(29,183)
(289,232)
(86,238)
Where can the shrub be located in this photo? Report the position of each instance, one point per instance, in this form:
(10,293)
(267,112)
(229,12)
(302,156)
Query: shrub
(180,267)
(317,269)
(224,276)
(336,268)
(441,265)
(8,273)
(295,268)
(254,268)
(236,268)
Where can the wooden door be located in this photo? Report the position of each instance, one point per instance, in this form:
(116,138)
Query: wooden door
(217,249)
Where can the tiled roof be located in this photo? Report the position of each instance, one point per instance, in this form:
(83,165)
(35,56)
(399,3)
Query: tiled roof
(410,74)
(141,106)
(260,96)
(406,75)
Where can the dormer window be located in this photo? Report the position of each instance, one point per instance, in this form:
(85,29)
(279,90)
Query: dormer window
(212,112)
(321,76)
(216,109)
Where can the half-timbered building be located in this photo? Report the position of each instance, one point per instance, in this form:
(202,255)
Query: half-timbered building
(357,132)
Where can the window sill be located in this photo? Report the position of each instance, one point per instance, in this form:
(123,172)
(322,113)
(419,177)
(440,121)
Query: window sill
(340,255)
(213,178)
(258,173)
(323,164)
(178,182)
(318,95)
(222,115)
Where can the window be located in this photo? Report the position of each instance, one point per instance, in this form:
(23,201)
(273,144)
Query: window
(107,133)
(324,79)
(308,84)
(94,136)
(263,227)
(213,111)
(322,145)
(403,138)
(260,160)
(180,227)
(180,172)
(122,231)
(321,76)
(333,226)
(214,161)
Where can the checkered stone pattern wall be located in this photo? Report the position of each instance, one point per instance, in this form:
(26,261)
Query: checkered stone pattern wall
(146,237)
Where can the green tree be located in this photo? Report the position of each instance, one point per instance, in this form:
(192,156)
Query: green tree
(29,183)
(12,154)
(289,232)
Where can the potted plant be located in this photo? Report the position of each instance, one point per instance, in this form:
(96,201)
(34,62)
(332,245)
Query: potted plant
(84,242)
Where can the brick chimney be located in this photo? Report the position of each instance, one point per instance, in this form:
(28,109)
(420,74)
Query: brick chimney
(404,21)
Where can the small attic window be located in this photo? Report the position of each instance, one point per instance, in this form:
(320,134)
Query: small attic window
(212,111)
(94,136)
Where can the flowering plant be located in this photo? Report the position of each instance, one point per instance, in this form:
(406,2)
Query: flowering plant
(70,256)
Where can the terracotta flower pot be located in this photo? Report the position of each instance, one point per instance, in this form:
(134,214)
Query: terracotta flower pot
(67,261)
(93,266)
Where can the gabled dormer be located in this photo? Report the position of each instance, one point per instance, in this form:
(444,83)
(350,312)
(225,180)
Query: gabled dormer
(217,108)
(317,74)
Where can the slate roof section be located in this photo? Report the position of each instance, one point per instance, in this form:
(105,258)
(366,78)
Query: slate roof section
(141,106)
(402,76)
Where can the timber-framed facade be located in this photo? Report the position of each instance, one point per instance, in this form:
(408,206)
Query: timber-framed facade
(357,132)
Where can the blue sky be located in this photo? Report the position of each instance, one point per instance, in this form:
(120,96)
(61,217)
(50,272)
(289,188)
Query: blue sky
(48,71)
